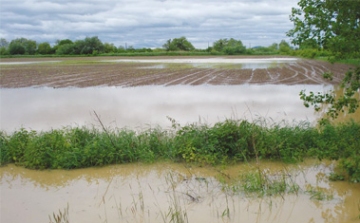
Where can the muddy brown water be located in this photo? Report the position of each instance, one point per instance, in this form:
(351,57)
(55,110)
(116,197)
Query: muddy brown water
(149,192)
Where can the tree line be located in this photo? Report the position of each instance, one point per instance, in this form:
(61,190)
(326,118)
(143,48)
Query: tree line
(94,46)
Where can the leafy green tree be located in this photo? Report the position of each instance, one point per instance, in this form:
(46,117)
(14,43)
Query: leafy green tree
(229,46)
(309,44)
(79,46)
(109,48)
(274,47)
(3,43)
(63,42)
(220,44)
(66,49)
(284,47)
(92,45)
(16,48)
(44,48)
(334,25)
(60,43)
(121,49)
(178,44)
(28,45)
(3,51)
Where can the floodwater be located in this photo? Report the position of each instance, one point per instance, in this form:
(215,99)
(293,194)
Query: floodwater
(28,62)
(152,192)
(228,63)
(149,106)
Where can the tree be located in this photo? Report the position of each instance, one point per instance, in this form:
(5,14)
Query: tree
(178,44)
(60,43)
(109,48)
(45,48)
(28,45)
(3,43)
(229,46)
(64,41)
(284,47)
(15,48)
(66,49)
(334,25)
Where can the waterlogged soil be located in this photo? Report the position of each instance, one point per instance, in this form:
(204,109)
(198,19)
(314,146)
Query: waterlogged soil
(155,192)
(168,71)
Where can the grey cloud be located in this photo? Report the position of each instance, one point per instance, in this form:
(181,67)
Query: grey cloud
(147,23)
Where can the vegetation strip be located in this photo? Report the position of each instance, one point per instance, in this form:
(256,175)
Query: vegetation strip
(225,142)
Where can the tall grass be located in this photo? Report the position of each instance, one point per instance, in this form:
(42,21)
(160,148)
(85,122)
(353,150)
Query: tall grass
(224,142)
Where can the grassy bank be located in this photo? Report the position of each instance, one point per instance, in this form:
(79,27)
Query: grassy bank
(225,142)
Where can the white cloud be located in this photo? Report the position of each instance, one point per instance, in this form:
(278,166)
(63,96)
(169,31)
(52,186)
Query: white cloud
(147,23)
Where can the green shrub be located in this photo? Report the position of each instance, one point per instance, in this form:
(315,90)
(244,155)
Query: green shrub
(227,141)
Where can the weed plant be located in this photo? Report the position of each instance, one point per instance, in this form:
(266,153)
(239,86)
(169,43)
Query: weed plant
(222,143)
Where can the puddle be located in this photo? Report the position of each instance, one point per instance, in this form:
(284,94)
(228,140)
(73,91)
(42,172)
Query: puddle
(148,193)
(218,63)
(141,107)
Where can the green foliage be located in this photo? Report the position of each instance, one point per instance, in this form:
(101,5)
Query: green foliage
(16,48)
(347,101)
(87,46)
(44,48)
(228,141)
(4,51)
(229,46)
(65,49)
(22,46)
(109,48)
(284,47)
(4,150)
(263,183)
(178,44)
(332,25)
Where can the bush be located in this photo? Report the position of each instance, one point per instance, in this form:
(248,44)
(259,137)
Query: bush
(228,141)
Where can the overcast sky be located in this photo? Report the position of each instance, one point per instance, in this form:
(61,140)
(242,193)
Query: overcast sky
(147,23)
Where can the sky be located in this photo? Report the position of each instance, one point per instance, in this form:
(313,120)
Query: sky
(147,23)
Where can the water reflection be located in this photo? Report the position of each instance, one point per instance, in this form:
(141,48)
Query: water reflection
(218,63)
(28,62)
(141,107)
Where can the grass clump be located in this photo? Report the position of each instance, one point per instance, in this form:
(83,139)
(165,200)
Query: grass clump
(262,183)
(223,142)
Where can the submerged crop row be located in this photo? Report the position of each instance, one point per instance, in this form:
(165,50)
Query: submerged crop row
(225,142)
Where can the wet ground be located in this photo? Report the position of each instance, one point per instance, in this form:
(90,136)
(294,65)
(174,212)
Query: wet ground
(86,72)
(151,193)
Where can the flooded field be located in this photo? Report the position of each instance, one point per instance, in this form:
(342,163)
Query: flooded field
(149,106)
(44,94)
(155,193)
(87,72)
